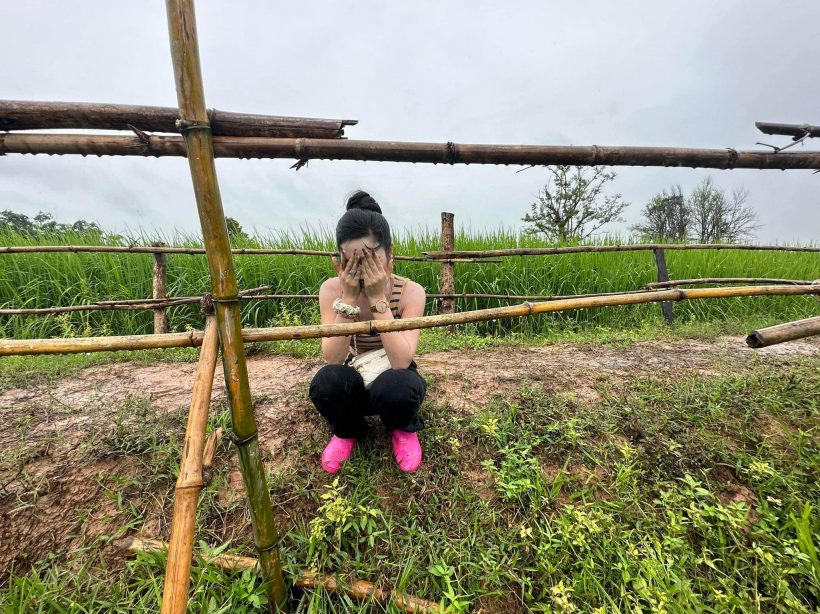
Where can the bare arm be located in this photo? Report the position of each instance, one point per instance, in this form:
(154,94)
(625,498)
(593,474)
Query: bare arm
(401,345)
(334,349)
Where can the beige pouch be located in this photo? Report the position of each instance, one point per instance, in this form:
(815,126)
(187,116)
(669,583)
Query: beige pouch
(370,365)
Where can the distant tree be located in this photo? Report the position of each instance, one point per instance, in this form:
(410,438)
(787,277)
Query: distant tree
(572,204)
(718,216)
(235,230)
(666,217)
(42,224)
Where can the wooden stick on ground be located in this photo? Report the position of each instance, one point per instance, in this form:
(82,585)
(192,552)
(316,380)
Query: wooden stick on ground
(357,589)
(784,332)
(189,482)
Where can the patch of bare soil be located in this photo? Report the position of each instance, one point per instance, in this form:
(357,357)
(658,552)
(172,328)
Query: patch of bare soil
(55,497)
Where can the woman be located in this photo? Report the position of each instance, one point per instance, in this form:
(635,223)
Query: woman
(365,280)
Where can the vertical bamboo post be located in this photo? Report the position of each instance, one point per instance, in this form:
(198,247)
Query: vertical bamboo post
(189,482)
(447,282)
(663,275)
(158,291)
(196,131)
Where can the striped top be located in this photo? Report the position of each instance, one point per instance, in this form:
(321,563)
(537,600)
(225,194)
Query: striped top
(366,341)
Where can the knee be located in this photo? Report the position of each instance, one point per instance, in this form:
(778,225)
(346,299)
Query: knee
(332,380)
(398,387)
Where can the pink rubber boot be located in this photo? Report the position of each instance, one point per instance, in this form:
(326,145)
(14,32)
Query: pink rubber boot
(406,449)
(337,451)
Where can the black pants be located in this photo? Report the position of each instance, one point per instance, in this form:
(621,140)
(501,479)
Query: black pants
(339,394)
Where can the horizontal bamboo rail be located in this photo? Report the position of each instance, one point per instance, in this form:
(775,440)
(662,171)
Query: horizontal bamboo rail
(784,332)
(189,251)
(146,304)
(595,249)
(37,115)
(357,589)
(723,280)
(304,149)
(192,338)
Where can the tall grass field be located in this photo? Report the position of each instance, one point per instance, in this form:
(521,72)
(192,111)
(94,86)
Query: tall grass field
(44,280)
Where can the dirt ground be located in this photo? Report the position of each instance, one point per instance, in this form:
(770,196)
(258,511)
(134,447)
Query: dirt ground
(54,496)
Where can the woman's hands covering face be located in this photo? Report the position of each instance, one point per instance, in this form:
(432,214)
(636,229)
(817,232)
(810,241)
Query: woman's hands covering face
(375,275)
(349,275)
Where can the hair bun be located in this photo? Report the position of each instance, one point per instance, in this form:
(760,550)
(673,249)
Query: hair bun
(362,200)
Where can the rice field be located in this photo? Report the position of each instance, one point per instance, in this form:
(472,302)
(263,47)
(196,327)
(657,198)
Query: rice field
(44,280)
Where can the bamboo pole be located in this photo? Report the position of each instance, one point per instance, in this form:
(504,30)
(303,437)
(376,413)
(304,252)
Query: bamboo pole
(663,276)
(199,146)
(74,345)
(158,290)
(723,280)
(37,115)
(595,249)
(789,331)
(190,482)
(395,151)
(447,282)
(152,304)
(357,589)
(190,251)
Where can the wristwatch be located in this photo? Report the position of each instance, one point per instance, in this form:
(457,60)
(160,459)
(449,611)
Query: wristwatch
(380,307)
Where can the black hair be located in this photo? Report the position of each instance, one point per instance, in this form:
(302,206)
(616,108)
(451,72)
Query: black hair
(363,217)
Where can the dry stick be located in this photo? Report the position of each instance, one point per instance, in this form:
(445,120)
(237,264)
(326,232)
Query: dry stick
(357,589)
(784,332)
(190,482)
(37,115)
(315,331)
(199,146)
(723,280)
(596,249)
(158,290)
(190,251)
(395,151)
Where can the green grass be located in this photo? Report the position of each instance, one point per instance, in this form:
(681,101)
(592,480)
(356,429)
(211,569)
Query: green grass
(692,495)
(43,280)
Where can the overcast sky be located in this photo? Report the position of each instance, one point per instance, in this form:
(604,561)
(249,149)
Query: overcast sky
(687,73)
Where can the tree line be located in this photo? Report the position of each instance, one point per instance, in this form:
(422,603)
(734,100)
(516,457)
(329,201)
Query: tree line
(574,204)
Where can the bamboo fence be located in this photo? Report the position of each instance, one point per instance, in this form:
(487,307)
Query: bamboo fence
(12,347)
(724,280)
(303,139)
(193,124)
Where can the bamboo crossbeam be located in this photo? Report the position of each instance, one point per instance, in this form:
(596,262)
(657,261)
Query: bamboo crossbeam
(195,127)
(397,151)
(357,589)
(793,130)
(784,332)
(189,482)
(9,347)
(145,304)
(723,280)
(190,251)
(38,115)
(595,249)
